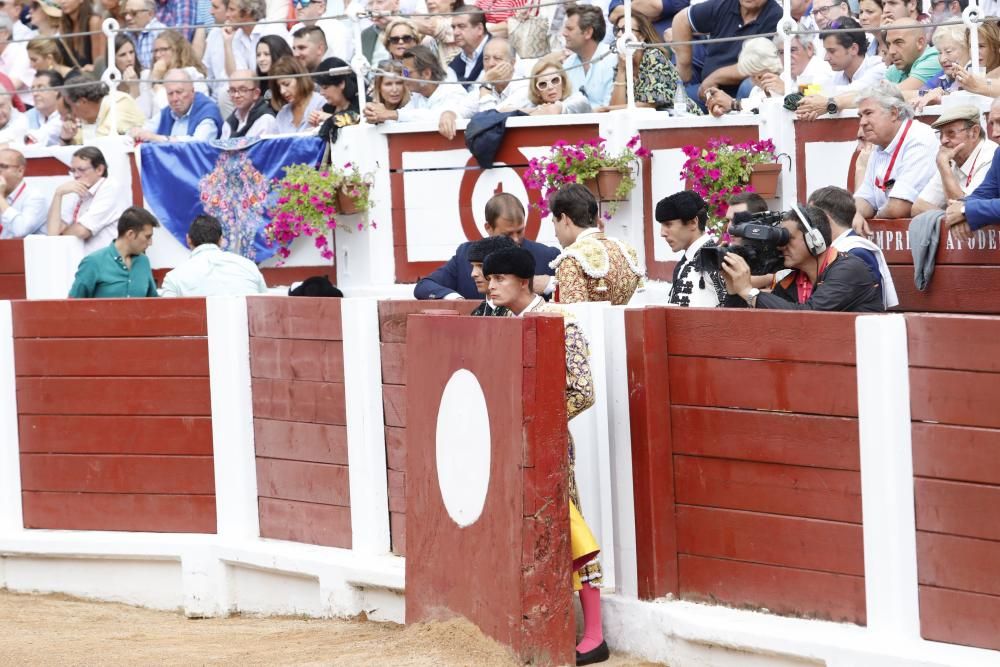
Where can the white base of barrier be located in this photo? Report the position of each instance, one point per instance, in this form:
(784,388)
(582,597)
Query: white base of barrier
(686,633)
(203,576)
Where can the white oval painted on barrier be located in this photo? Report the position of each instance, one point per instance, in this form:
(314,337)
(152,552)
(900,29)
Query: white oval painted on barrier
(463,448)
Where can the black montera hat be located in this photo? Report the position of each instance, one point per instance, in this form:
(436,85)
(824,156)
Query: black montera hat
(479,249)
(516,261)
(683,205)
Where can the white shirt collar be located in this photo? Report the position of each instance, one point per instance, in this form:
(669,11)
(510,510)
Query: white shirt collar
(695,247)
(537,301)
(896,139)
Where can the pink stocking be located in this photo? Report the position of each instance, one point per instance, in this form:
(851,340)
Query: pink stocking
(593,635)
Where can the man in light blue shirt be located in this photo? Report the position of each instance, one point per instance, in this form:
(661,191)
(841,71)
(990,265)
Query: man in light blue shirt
(189,116)
(23,209)
(210,270)
(591,68)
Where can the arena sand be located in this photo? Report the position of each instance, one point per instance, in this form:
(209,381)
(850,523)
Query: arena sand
(55,630)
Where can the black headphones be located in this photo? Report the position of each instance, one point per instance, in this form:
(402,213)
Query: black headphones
(815,242)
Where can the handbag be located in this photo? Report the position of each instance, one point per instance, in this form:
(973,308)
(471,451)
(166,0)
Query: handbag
(529,35)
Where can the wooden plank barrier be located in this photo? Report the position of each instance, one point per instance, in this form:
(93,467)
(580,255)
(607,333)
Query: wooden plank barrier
(392,334)
(114,415)
(745,459)
(12,269)
(300,420)
(966,274)
(487,486)
(954,373)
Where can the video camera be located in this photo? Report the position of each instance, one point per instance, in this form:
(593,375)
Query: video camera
(761,234)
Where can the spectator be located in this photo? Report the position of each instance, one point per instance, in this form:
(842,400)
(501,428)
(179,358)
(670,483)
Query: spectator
(590,66)
(44,54)
(299,94)
(78,17)
(371,37)
(189,115)
(682,217)
(870,18)
(592,266)
(23,210)
(341,94)
(45,120)
(132,74)
(760,62)
(840,209)
(46,16)
(808,65)
(552,91)
(270,49)
(743,202)
(504,217)
(827,11)
(14,61)
(172,52)
(389,91)
(210,270)
(120,270)
(982,207)
(853,71)
(242,32)
(471,37)
(943,10)
(214,56)
(309,47)
(428,101)
(902,11)
(823,278)
(399,36)
(963,160)
(902,159)
(339,40)
(112,9)
(495,90)
(719,18)
(439,28)
(178,13)
(13,123)
(914,61)
(14,9)
(144,27)
(86,206)
(89,102)
(655,78)
(478,251)
(952,44)
(497,12)
(252,115)
(989,58)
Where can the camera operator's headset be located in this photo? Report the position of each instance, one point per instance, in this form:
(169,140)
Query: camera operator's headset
(815,243)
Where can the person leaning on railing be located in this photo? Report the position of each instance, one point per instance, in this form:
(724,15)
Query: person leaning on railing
(90,103)
(982,207)
(759,62)
(551,92)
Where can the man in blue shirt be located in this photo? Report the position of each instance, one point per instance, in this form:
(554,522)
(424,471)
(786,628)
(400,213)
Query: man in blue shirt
(720,18)
(982,207)
(504,216)
(120,270)
(590,67)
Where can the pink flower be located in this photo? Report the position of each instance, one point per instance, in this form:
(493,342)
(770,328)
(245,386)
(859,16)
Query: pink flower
(714,174)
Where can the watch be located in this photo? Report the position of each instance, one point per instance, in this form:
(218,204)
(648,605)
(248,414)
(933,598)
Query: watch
(831,106)
(751,297)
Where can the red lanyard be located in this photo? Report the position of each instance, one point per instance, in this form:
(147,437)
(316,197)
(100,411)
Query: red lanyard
(972,169)
(18,193)
(79,203)
(884,183)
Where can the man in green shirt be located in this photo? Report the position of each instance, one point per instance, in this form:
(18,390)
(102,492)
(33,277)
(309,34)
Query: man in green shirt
(914,61)
(121,269)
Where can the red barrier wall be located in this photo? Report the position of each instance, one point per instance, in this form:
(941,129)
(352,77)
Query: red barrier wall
(392,334)
(954,374)
(300,432)
(12,269)
(114,415)
(745,459)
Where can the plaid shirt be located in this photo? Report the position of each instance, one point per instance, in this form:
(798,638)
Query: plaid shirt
(144,42)
(178,12)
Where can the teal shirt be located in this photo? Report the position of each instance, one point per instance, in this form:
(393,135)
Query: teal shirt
(103,275)
(925,67)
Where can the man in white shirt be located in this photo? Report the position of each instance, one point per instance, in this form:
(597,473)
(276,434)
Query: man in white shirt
(339,41)
(427,100)
(13,9)
(590,69)
(902,161)
(13,123)
(852,71)
(240,42)
(495,90)
(45,120)
(962,161)
(826,12)
(808,66)
(253,116)
(682,217)
(22,209)
(14,58)
(88,206)
(210,270)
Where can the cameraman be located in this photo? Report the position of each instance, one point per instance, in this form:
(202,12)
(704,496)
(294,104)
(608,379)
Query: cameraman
(827,280)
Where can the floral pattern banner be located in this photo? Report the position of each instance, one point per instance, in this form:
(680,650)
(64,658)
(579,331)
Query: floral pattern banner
(231,180)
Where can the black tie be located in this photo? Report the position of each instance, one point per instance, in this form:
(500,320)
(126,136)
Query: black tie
(678,267)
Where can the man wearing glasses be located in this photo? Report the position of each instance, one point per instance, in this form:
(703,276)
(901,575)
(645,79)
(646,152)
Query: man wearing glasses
(145,28)
(88,206)
(22,209)
(252,115)
(827,11)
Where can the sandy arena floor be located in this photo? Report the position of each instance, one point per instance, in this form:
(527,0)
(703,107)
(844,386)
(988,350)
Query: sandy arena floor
(54,630)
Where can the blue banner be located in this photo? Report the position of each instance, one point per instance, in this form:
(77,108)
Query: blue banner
(230,180)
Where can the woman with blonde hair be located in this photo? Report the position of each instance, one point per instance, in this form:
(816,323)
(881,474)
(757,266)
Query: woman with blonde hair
(299,93)
(551,92)
(758,60)
(170,51)
(400,35)
(389,90)
(989,60)
(952,44)
(44,54)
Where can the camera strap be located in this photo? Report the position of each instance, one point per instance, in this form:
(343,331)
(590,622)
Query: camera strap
(885,182)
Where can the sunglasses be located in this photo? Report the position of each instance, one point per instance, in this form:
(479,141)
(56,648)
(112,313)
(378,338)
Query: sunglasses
(542,84)
(402,39)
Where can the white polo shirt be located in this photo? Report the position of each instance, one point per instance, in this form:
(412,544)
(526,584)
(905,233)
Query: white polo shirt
(969,175)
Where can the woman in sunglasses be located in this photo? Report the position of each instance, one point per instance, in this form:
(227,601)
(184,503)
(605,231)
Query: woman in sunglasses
(655,78)
(551,91)
(400,35)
